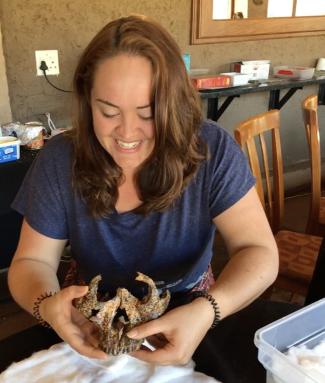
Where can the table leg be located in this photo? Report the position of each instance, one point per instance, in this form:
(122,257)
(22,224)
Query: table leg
(212,109)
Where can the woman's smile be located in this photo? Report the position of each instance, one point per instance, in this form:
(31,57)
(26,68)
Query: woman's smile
(128,147)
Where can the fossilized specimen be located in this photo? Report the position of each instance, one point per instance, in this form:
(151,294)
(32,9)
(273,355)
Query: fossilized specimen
(115,317)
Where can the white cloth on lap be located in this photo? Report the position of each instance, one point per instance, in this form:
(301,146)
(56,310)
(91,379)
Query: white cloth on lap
(61,364)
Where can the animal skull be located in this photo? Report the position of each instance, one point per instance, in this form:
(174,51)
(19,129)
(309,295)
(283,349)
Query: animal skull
(114,327)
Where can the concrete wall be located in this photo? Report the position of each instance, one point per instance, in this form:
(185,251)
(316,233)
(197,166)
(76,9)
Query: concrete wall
(30,25)
(5,111)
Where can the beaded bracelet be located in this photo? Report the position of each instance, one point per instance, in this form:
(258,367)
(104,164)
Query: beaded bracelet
(209,297)
(36,307)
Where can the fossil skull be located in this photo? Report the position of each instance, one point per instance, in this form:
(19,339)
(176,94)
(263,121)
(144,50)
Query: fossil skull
(108,315)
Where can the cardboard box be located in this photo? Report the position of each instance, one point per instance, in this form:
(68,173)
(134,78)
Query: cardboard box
(304,327)
(257,70)
(9,149)
(213,81)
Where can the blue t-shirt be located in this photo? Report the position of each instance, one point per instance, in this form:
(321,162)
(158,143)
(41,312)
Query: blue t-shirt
(173,247)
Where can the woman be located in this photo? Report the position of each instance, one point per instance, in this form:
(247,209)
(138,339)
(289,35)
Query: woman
(140,184)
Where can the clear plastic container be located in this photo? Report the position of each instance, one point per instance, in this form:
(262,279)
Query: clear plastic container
(297,73)
(303,327)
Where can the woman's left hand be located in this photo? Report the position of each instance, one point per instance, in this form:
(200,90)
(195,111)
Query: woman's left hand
(182,329)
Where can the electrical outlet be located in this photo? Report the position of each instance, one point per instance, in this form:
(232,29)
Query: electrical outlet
(51,58)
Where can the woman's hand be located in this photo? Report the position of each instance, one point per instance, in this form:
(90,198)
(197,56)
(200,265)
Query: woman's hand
(80,333)
(176,334)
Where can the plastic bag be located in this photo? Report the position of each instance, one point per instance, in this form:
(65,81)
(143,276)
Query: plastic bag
(30,133)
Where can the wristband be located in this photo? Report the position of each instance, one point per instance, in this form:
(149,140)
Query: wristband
(36,306)
(209,297)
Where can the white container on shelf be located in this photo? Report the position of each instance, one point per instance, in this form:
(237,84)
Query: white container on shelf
(294,72)
(9,149)
(305,327)
(237,79)
(256,69)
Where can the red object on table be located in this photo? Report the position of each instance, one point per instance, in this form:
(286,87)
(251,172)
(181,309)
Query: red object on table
(216,81)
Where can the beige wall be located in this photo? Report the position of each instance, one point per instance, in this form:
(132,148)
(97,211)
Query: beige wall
(29,25)
(5,111)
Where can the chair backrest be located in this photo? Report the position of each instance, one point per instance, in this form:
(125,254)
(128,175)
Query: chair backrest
(246,134)
(309,109)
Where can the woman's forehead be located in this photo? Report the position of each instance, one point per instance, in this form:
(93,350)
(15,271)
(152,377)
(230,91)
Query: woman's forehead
(124,77)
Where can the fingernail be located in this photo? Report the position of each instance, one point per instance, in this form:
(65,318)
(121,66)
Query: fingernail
(132,334)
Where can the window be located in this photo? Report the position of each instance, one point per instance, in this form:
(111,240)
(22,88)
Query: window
(222,10)
(225,9)
(286,9)
(249,23)
(310,8)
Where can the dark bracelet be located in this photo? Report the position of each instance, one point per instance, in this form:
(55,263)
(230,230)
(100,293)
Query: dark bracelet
(36,306)
(209,297)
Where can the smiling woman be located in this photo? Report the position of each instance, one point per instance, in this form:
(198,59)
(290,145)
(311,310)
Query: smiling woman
(141,183)
(121,109)
(207,29)
(144,113)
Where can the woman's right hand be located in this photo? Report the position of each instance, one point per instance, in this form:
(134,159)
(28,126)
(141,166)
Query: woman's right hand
(72,326)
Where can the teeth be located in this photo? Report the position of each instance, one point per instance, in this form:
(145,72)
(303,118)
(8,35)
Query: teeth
(128,145)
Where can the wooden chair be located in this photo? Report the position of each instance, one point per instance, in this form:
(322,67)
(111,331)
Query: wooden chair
(297,251)
(316,219)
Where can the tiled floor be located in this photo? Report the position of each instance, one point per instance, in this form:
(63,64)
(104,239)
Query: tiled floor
(13,319)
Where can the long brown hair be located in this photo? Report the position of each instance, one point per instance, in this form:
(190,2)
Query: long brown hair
(177,117)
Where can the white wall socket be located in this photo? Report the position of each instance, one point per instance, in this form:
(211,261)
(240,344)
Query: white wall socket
(51,58)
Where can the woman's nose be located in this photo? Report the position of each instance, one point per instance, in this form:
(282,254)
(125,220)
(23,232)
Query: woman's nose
(127,127)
